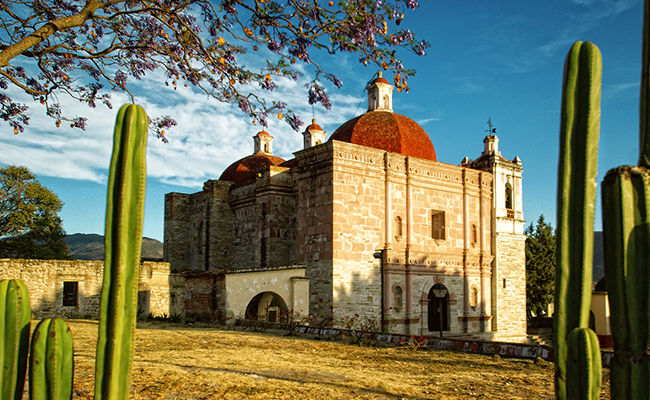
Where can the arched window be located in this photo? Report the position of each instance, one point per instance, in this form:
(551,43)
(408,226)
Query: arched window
(509,196)
(386,102)
(266,147)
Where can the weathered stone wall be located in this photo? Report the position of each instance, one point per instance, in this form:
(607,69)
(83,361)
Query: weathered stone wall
(313,180)
(509,286)
(45,281)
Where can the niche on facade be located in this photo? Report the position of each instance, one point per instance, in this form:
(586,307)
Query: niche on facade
(473,236)
(398,298)
(398,228)
(473,297)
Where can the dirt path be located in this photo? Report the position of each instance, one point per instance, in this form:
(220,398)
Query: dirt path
(175,361)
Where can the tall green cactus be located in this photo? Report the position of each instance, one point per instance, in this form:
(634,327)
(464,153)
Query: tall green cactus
(51,362)
(576,197)
(124,217)
(15,315)
(626,244)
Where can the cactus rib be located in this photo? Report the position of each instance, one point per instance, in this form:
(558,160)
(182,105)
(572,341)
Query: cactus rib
(15,315)
(576,197)
(51,362)
(124,218)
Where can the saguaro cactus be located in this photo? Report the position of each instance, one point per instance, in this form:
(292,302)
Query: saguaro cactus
(15,315)
(124,217)
(51,363)
(579,131)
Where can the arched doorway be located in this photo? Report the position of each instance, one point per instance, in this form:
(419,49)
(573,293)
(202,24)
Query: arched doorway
(438,306)
(267,307)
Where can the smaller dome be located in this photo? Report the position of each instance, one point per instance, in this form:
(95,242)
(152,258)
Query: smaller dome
(263,132)
(244,169)
(380,79)
(314,126)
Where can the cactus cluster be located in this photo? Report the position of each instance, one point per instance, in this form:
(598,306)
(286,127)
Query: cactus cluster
(579,132)
(51,363)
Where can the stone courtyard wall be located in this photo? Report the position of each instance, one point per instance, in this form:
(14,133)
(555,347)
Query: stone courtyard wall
(159,289)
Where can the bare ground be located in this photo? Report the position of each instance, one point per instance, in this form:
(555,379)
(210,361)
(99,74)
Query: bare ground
(175,361)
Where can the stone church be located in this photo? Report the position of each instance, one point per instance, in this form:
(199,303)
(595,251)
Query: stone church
(365,224)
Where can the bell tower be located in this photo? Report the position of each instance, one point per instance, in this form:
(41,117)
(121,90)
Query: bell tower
(508,239)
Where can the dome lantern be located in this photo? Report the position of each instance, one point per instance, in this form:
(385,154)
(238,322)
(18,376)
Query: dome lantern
(263,143)
(380,95)
(314,135)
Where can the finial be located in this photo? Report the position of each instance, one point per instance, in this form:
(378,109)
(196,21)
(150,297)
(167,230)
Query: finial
(378,74)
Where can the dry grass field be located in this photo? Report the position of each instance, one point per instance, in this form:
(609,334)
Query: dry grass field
(175,361)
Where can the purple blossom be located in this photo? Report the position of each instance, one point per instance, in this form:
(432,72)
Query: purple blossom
(244,104)
(295,122)
(275,46)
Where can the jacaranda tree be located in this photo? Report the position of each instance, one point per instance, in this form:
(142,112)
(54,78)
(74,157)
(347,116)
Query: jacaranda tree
(87,48)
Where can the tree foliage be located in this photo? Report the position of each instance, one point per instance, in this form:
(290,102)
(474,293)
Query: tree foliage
(77,47)
(30,226)
(540,266)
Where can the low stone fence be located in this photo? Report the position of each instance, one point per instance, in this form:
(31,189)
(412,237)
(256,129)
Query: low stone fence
(502,349)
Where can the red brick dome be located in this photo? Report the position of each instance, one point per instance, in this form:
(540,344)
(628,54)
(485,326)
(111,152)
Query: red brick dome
(244,169)
(387,131)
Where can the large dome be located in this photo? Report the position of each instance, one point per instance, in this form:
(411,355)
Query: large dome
(387,131)
(244,169)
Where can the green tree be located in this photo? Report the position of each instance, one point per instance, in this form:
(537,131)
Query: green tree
(540,266)
(30,226)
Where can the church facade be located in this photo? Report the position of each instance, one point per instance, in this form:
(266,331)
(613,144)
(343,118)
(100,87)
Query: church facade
(365,225)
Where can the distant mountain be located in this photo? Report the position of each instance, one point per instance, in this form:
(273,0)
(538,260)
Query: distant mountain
(91,247)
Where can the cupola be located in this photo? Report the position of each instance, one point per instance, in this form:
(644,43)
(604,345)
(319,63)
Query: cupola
(263,143)
(314,135)
(380,95)
(491,145)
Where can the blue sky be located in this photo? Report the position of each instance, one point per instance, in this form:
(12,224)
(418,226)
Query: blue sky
(488,59)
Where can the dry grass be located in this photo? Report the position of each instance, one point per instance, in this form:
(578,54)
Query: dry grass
(176,361)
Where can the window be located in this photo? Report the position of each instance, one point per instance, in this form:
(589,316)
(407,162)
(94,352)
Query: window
(438,225)
(386,102)
(70,290)
(398,298)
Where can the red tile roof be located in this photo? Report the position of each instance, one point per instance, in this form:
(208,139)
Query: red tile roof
(387,131)
(244,169)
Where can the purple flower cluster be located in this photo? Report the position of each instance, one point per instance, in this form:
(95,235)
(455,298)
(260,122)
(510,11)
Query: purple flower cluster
(317,94)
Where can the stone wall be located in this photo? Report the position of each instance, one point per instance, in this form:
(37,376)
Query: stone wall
(46,280)
(509,286)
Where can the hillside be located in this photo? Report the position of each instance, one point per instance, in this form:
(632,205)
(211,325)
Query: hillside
(91,247)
